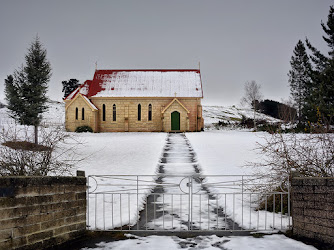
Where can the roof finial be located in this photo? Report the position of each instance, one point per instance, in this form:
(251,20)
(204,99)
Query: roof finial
(175,94)
(199,65)
(96,65)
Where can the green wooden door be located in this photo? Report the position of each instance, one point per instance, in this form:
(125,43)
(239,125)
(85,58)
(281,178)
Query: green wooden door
(175,116)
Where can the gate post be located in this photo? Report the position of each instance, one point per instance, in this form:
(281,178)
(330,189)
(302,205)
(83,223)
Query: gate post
(189,202)
(137,203)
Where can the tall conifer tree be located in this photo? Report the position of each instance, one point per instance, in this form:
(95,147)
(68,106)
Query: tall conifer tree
(299,78)
(322,94)
(26,89)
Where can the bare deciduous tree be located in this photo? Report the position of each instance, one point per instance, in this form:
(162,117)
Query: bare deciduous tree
(251,96)
(310,155)
(56,153)
(287,113)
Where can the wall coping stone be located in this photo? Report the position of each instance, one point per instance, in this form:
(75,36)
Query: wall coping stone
(24,181)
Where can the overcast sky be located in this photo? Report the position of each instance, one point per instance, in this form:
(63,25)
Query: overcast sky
(234,41)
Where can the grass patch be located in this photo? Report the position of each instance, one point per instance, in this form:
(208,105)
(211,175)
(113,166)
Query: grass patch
(235,119)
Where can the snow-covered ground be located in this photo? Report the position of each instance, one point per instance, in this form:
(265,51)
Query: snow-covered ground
(225,152)
(272,242)
(118,154)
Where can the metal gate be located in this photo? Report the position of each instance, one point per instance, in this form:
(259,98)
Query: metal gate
(186,203)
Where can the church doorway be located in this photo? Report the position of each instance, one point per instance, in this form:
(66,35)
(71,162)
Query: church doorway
(175,120)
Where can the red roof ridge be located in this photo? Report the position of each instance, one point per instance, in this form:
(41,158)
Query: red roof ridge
(161,70)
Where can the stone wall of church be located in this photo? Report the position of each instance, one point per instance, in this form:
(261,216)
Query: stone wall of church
(71,123)
(127,114)
(184,117)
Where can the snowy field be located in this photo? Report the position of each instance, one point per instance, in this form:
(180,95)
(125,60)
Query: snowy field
(225,152)
(120,154)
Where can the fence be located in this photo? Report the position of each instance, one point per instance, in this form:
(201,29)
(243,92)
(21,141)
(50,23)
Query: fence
(186,203)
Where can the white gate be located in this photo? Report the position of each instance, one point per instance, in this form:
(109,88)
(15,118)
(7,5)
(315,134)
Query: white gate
(186,203)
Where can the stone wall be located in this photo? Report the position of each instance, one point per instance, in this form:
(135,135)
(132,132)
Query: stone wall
(184,118)
(313,208)
(90,115)
(39,212)
(127,114)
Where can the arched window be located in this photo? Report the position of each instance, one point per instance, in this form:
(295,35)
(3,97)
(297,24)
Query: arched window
(150,112)
(114,112)
(103,112)
(83,114)
(76,113)
(139,112)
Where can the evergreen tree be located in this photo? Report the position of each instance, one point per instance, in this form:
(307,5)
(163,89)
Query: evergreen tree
(26,89)
(277,109)
(329,30)
(299,78)
(322,90)
(69,86)
(12,95)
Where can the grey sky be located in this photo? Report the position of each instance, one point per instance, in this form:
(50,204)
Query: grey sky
(234,41)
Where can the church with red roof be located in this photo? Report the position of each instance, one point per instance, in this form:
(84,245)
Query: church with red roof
(137,101)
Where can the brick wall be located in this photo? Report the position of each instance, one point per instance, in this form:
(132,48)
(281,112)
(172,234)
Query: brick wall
(39,212)
(313,208)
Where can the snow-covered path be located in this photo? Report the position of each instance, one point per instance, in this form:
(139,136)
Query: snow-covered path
(180,201)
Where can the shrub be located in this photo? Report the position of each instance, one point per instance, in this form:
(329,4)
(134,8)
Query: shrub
(221,124)
(249,122)
(246,122)
(83,129)
(270,128)
(281,202)
(20,157)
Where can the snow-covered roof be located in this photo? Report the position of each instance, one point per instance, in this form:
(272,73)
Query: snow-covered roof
(82,89)
(89,103)
(142,83)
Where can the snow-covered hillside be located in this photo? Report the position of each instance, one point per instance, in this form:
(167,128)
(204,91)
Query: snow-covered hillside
(231,114)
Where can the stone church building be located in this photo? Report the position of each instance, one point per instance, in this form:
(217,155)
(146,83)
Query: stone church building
(137,101)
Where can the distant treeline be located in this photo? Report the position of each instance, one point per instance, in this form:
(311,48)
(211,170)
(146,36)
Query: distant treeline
(277,110)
